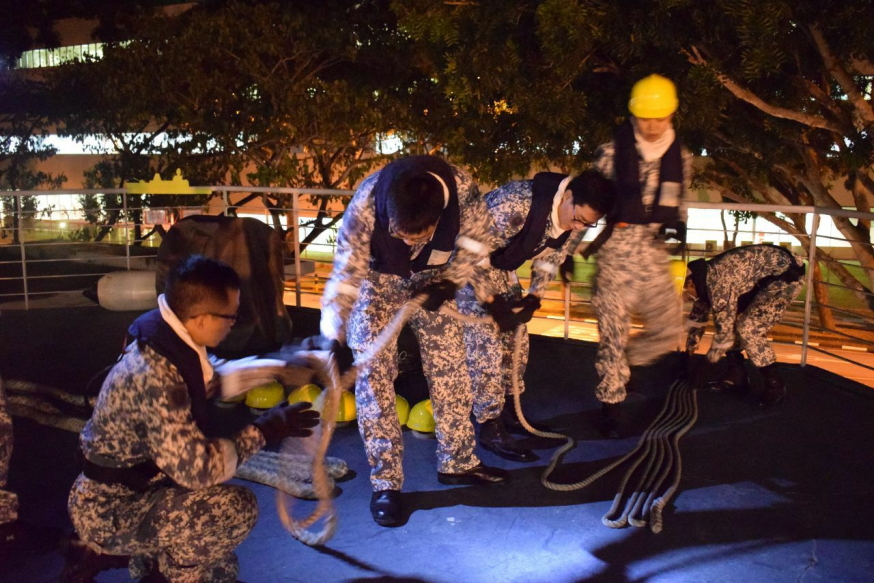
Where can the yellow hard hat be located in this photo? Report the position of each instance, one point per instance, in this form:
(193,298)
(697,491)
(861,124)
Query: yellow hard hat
(653,97)
(345,410)
(422,417)
(265,396)
(308,393)
(403,407)
(677,268)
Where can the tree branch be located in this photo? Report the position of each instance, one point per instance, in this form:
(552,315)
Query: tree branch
(744,94)
(860,104)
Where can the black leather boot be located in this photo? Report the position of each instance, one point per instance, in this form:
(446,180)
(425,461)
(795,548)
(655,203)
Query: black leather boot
(735,379)
(775,390)
(611,415)
(386,507)
(493,436)
(478,475)
(511,420)
(82,563)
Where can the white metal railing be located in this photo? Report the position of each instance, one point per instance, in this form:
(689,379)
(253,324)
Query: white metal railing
(19,262)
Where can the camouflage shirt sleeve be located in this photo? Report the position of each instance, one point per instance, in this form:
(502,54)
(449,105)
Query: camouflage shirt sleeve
(474,243)
(695,324)
(176,443)
(351,261)
(604,160)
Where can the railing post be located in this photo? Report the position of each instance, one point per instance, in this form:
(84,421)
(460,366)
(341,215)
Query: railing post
(126,230)
(295,215)
(18,220)
(227,200)
(808,299)
(567,309)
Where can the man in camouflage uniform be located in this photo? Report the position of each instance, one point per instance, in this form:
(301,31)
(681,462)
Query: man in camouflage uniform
(416,226)
(153,483)
(652,172)
(747,289)
(540,219)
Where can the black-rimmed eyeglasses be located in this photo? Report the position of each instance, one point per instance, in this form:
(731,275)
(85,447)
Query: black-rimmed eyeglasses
(231,317)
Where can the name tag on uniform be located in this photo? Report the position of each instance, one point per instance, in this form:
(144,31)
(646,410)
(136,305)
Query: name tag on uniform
(438,257)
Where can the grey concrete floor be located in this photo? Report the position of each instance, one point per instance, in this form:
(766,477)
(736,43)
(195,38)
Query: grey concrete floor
(781,494)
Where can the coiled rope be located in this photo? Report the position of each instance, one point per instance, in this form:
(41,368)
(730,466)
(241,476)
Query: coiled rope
(322,485)
(287,472)
(658,447)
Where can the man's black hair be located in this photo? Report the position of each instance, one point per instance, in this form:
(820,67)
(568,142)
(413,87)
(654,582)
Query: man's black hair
(593,189)
(415,201)
(199,281)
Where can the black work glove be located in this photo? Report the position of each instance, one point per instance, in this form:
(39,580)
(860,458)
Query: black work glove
(508,315)
(341,352)
(289,352)
(499,310)
(566,269)
(524,309)
(286,420)
(675,230)
(438,292)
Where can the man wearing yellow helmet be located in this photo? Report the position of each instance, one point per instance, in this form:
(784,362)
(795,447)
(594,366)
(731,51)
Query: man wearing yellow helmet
(651,172)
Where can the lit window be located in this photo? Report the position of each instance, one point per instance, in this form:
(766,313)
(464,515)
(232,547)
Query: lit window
(54,57)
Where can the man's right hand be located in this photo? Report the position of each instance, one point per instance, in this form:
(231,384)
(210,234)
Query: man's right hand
(341,352)
(286,420)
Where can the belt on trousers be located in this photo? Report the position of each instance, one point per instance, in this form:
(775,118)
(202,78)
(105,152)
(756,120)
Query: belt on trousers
(135,477)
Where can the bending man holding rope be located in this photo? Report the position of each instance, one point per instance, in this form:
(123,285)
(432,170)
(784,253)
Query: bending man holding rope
(747,289)
(152,482)
(416,227)
(541,219)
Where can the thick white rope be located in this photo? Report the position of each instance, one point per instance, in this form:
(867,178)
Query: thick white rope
(295,477)
(660,445)
(323,487)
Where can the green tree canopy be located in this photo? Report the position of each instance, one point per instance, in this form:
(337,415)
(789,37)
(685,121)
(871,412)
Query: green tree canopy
(776,93)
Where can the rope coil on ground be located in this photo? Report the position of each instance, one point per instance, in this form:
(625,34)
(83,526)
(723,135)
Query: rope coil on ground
(660,450)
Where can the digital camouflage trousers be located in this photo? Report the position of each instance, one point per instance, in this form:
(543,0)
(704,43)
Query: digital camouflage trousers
(490,351)
(187,535)
(633,281)
(380,298)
